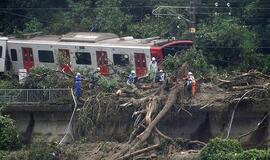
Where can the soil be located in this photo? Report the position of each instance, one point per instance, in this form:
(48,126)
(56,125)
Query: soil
(101,150)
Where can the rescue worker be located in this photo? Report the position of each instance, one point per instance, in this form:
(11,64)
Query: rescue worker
(161,76)
(132,79)
(153,68)
(78,85)
(95,78)
(190,84)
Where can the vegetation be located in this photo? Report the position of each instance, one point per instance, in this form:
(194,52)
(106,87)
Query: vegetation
(239,40)
(229,37)
(226,149)
(43,77)
(39,150)
(193,57)
(9,134)
(218,147)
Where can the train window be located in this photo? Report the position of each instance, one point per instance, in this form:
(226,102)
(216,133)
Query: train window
(1,51)
(13,54)
(83,58)
(120,59)
(45,56)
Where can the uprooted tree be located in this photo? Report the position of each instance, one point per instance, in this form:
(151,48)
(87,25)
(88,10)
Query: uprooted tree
(151,102)
(154,102)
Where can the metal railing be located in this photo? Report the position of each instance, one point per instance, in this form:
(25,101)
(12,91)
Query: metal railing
(35,95)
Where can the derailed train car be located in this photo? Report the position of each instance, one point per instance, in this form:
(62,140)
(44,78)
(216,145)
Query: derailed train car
(83,49)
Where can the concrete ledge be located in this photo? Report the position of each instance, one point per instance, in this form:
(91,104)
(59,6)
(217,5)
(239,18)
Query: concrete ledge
(40,107)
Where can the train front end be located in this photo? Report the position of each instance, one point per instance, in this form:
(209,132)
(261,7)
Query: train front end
(163,48)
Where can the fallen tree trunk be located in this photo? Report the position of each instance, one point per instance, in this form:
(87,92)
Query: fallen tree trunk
(141,138)
(170,101)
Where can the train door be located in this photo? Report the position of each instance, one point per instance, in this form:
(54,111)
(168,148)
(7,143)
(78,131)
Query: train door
(64,60)
(140,64)
(102,62)
(3,46)
(28,59)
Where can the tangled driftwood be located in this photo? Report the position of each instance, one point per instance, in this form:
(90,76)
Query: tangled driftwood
(156,103)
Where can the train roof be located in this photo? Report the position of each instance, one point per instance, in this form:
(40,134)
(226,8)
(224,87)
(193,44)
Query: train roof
(91,39)
(84,38)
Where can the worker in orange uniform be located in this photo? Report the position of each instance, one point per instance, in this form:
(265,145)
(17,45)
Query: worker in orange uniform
(190,84)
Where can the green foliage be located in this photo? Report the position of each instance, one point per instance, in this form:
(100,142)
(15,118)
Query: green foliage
(253,154)
(224,149)
(264,63)
(109,18)
(228,42)
(195,59)
(86,72)
(44,77)
(5,84)
(157,26)
(33,26)
(38,150)
(217,148)
(9,134)
(79,17)
(107,85)
(14,155)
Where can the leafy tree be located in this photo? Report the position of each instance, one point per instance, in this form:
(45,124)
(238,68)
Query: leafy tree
(33,26)
(79,17)
(218,148)
(195,59)
(226,42)
(109,17)
(157,26)
(256,15)
(9,134)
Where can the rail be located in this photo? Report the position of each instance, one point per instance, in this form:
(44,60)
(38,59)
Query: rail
(35,95)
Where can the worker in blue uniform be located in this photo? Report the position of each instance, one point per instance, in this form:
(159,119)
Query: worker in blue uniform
(78,85)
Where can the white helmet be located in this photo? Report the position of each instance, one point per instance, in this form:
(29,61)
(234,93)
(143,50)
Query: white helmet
(78,74)
(161,70)
(153,58)
(133,72)
(98,68)
(189,73)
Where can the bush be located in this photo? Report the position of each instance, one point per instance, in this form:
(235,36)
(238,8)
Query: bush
(39,150)
(195,59)
(44,77)
(7,84)
(219,149)
(9,134)
(107,85)
(253,154)
(227,42)
(224,149)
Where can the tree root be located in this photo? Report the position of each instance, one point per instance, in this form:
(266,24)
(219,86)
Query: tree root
(151,107)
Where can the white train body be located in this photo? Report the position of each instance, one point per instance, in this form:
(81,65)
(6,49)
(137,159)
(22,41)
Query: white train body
(81,50)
